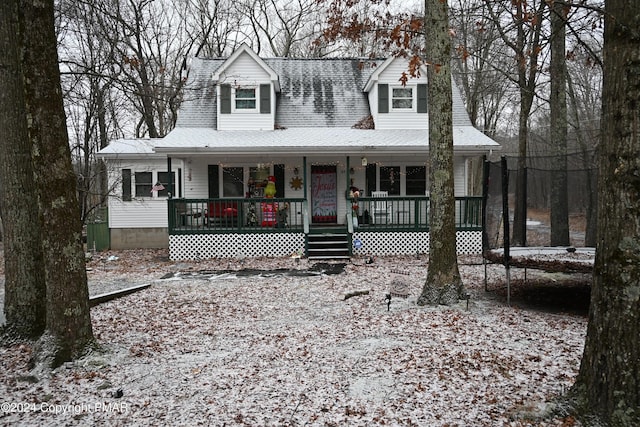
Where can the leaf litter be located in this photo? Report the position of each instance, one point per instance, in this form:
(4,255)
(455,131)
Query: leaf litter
(212,345)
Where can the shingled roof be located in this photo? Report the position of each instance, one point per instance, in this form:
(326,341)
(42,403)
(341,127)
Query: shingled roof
(319,103)
(321,92)
(314,92)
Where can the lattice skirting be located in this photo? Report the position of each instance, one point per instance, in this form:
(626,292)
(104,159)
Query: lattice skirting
(203,246)
(410,243)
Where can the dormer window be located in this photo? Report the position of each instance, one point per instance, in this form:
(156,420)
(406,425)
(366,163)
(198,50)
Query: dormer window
(245,99)
(256,99)
(402,98)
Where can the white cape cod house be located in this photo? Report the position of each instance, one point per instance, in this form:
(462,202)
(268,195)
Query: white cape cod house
(341,141)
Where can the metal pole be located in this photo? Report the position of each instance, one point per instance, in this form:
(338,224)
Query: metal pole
(485,195)
(505,220)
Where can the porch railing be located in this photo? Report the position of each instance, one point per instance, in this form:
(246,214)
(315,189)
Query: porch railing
(411,213)
(189,216)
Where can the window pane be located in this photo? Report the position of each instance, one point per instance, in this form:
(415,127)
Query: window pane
(402,92)
(163,178)
(232,184)
(245,104)
(402,98)
(246,93)
(416,180)
(143,184)
(390,179)
(245,99)
(402,103)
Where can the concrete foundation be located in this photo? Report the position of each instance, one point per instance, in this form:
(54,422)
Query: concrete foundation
(139,238)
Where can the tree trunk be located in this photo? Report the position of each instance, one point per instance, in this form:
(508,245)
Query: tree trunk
(608,382)
(443,284)
(68,328)
(558,101)
(519,231)
(24,302)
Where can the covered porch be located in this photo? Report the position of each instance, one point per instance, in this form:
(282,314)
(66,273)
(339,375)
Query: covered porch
(381,225)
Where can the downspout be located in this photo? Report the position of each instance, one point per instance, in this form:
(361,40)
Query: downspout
(170,183)
(306,215)
(170,205)
(304,176)
(305,204)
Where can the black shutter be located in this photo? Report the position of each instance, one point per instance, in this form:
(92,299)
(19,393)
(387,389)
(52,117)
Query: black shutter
(265,99)
(214,182)
(422,98)
(225,99)
(278,173)
(383,98)
(126,185)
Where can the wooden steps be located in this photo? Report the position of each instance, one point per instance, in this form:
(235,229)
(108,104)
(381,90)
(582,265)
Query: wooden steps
(328,244)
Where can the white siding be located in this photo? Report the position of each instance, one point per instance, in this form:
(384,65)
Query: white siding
(196,185)
(244,71)
(460,176)
(398,119)
(140,212)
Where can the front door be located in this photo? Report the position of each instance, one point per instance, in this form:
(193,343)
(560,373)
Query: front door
(324,194)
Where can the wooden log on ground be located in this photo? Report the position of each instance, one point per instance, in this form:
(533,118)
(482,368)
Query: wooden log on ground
(355,294)
(108,296)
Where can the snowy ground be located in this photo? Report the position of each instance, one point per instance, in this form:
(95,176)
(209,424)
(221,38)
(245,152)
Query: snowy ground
(200,348)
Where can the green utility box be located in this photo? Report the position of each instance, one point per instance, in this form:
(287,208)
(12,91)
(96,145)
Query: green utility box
(98,230)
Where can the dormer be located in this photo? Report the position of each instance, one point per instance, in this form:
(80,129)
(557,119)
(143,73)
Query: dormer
(246,92)
(394,105)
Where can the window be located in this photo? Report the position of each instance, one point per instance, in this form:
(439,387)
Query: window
(258,180)
(402,98)
(390,179)
(163,178)
(232,182)
(245,99)
(144,183)
(416,180)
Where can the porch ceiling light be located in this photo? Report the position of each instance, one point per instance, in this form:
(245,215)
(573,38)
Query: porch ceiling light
(363,160)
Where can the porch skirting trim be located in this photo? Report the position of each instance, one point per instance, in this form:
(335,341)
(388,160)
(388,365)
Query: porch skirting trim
(410,243)
(205,246)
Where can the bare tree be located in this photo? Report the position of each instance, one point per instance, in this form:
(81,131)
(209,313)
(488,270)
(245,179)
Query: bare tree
(584,101)
(477,67)
(216,27)
(286,28)
(608,383)
(522,34)
(92,107)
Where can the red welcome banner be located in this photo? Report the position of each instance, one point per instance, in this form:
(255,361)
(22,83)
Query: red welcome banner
(324,199)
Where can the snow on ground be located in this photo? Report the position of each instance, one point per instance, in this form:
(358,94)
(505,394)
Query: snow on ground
(199,348)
